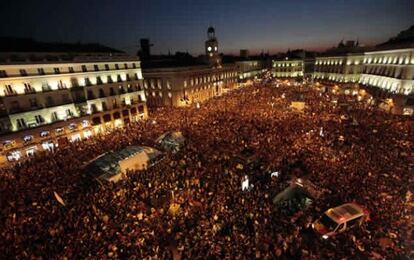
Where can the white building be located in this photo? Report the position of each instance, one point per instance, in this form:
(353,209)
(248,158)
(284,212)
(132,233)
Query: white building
(344,68)
(391,70)
(47,99)
(288,68)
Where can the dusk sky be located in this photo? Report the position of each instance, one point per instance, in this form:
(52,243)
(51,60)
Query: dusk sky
(181,25)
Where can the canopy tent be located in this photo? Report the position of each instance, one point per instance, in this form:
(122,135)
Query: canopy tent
(298,106)
(112,165)
(171,141)
(297,196)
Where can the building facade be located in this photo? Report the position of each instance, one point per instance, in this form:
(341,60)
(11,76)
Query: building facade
(50,99)
(288,68)
(345,68)
(391,70)
(181,86)
(249,69)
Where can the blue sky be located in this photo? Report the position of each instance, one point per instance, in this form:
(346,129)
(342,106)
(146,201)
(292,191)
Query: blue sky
(181,25)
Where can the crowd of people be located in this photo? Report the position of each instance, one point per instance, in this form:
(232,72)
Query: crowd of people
(191,204)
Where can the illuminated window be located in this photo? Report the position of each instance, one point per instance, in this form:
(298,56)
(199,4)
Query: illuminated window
(3,74)
(59,130)
(44,133)
(14,156)
(39,119)
(21,123)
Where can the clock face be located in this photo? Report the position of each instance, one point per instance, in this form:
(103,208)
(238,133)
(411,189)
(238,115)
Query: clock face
(209,48)
(215,48)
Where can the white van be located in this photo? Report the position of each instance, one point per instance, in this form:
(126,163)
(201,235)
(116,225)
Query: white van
(338,219)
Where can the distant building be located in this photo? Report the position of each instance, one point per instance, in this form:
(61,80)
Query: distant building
(345,68)
(51,94)
(145,51)
(182,80)
(342,64)
(181,86)
(390,66)
(288,68)
(244,54)
(249,69)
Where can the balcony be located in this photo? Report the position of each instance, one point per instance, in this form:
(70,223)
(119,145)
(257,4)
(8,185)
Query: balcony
(30,91)
(10,93)
(16,110)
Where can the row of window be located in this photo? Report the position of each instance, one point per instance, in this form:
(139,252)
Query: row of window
(338,78)
(328,62)
(387,71)
(82,68)
(385,83)
(21,123)
(28,89)
(27,139)
(159,94)
(33,102)
(288,69)
(67,99)
(286,64)
(48,143)
(157,83)
(388,60)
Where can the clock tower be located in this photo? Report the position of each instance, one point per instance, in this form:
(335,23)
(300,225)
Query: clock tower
(212,48)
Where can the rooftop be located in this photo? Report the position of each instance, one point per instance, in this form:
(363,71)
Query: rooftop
(8,44)
(22,50)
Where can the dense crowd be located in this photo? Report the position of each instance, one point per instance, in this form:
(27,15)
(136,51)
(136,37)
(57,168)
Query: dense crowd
(191,204)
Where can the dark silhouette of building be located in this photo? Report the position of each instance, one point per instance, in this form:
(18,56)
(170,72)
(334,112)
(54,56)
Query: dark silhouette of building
(145,52)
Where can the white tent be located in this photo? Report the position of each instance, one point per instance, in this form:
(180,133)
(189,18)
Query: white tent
(113,165)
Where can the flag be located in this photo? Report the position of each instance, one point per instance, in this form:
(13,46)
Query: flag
(59,199)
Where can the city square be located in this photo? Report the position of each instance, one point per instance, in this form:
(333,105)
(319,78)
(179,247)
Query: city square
(216,217)
(207,129)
